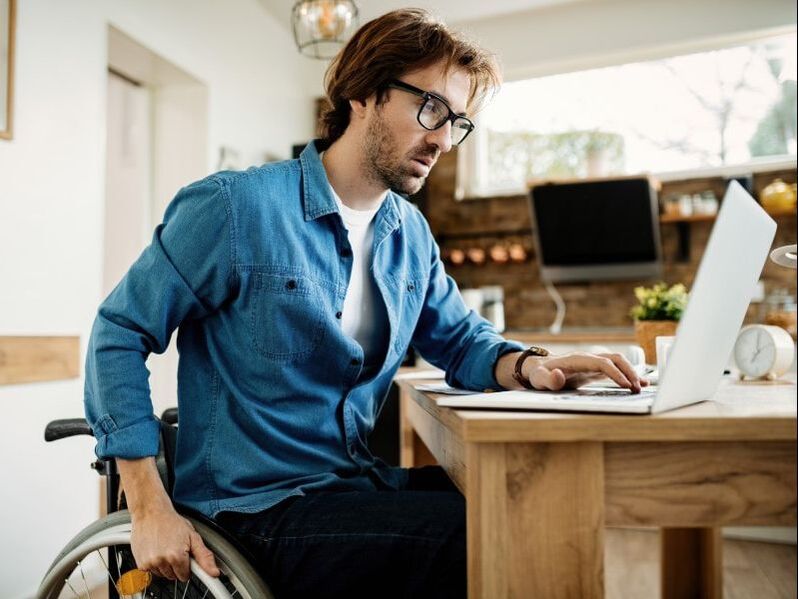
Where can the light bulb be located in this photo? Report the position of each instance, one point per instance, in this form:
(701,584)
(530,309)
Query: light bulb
(325,19)
(320,26)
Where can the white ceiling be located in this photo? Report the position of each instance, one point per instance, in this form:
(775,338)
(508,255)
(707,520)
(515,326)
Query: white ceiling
(451,11)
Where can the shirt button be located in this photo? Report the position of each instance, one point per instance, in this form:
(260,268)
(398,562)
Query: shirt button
(410,287)
(291,284)
(346,252)
(338,315)
(355,362)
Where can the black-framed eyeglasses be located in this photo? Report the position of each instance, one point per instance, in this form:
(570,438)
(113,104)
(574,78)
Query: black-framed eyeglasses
(435,112)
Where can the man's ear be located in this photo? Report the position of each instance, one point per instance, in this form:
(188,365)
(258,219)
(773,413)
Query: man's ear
(359,107)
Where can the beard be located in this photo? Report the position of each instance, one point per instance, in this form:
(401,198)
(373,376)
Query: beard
(384,163)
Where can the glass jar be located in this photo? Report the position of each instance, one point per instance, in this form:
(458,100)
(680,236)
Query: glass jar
(779,309)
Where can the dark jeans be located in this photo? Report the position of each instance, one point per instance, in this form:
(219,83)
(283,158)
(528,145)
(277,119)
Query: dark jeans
(382,544)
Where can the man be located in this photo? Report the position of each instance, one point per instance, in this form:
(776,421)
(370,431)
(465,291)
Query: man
(297,288)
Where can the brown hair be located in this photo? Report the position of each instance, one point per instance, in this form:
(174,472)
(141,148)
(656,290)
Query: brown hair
(391,45)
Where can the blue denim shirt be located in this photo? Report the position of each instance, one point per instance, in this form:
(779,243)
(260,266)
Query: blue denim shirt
(251,268)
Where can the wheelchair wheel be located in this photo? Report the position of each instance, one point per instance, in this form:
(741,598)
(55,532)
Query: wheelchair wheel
(83,568)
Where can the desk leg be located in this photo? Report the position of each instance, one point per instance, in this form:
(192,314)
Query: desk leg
(420,454)
(535,520)
(691,563)
(412,451)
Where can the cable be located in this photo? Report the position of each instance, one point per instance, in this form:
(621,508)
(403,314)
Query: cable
(556,326)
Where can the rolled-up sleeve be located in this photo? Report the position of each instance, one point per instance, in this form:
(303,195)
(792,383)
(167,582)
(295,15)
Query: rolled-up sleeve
(454,338)
(186,272)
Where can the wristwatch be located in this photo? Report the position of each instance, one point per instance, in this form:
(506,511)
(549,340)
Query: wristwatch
(532,350)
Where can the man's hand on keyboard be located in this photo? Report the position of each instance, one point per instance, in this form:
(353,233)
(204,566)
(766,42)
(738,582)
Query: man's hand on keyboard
(569,371)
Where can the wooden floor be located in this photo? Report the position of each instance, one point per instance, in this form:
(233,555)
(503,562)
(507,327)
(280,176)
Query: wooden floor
(751,570)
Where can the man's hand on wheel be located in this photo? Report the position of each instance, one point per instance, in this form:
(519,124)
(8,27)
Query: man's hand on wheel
(163,541)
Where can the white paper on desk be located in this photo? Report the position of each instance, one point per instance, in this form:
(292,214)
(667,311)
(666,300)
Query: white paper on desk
(444,388)
(433,373)
(543,400)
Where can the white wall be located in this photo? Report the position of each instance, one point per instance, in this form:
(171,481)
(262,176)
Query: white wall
(603,32)
(51,214)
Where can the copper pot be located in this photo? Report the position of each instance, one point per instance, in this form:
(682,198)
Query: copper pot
(499,253)
(457,256)
(476,255)
(517,252)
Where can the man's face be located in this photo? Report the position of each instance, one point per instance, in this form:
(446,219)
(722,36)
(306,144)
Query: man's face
(399,152)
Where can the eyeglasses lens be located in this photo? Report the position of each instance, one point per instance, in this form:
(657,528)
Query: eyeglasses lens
(460,128)
(435,113)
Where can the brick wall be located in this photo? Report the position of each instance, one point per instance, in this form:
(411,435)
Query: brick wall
(485,222)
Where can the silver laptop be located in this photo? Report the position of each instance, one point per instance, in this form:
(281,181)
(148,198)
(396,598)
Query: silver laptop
(723,287)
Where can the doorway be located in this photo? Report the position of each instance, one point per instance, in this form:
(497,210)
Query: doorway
(157,129)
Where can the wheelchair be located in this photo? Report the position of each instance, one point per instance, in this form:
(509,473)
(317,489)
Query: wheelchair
(98,561)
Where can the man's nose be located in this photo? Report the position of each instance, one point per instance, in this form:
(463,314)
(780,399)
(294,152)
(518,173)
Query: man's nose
(441,137)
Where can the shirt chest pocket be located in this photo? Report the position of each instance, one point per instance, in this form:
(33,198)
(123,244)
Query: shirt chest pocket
(287,317)
(408,295)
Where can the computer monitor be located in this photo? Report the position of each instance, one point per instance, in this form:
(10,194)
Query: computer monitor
(596,230)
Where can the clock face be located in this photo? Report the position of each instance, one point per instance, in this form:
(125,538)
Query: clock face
(755,352)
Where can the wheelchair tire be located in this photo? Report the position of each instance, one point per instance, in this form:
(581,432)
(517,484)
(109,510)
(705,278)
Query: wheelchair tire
(240,577)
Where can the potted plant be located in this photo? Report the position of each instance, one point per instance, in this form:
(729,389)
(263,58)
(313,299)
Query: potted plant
(657,313)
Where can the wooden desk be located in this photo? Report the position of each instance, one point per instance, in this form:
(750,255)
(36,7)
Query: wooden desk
(540,487)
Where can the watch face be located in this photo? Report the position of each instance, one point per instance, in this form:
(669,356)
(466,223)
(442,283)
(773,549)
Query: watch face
(755,352)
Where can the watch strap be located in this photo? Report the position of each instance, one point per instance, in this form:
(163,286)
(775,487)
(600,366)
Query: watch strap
(518,376)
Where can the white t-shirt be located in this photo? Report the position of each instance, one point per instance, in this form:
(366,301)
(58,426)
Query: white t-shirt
(364,317)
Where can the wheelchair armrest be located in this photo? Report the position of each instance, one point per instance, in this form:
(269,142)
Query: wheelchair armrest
(67,427)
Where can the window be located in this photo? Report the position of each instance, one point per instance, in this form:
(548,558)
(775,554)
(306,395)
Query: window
(710,109)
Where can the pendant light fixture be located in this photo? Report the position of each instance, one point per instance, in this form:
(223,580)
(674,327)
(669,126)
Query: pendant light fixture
(322,27)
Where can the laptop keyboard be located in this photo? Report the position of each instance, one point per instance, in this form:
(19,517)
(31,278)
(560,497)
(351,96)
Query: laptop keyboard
(613,393)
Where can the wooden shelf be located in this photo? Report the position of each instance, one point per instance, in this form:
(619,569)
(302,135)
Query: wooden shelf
(36,359)
(698,218)
(695,218)
(783,212)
